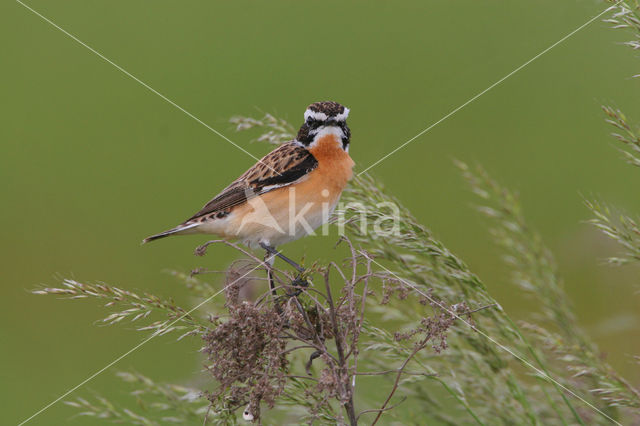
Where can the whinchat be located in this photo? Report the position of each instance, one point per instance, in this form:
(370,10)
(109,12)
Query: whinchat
(288,193)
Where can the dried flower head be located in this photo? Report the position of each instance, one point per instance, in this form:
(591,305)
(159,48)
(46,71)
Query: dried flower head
(246,357)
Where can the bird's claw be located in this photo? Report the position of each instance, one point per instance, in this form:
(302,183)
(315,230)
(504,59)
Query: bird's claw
(300,283)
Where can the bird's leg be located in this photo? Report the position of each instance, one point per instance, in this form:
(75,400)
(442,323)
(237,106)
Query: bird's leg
(268,260)
(273,251)
(298,282)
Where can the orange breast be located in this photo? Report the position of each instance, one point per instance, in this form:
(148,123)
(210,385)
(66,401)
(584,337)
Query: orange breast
(270,217)
(335,166)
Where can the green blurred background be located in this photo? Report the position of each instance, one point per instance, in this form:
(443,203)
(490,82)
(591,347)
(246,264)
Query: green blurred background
(91,162)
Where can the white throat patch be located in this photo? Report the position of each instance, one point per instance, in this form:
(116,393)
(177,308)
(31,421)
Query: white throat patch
(327,130)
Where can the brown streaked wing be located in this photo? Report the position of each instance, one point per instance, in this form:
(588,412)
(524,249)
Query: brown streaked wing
(281,167)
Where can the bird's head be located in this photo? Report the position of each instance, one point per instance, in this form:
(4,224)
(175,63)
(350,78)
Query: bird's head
(324,118)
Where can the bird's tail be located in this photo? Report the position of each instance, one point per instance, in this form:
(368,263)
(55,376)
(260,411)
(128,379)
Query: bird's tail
(180,229)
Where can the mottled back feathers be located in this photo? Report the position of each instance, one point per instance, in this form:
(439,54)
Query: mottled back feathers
(281,167)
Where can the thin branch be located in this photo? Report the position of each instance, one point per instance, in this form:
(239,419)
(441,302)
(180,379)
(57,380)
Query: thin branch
(417,349)
(395,370)
(381,410)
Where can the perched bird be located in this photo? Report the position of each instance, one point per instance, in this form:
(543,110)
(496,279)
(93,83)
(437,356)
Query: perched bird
(288,193)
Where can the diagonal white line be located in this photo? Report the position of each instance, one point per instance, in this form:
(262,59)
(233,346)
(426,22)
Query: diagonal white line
(500,345)
(106,367)
(145,85)
(490,87)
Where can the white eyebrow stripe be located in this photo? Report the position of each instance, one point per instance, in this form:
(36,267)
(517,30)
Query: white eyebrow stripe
(343,115)
(321,116)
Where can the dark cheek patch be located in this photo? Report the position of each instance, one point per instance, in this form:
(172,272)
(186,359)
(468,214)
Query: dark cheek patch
(347,136)
(303,135)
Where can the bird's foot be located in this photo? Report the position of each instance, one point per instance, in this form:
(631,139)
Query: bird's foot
(298,284)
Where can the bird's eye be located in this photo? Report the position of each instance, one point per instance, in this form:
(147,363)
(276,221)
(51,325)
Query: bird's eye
(313,123)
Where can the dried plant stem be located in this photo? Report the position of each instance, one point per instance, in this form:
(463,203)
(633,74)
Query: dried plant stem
(344,368)
(381,410)
(416,349)
(395,370)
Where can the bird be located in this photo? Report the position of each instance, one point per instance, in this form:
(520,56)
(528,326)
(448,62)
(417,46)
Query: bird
(287,194)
